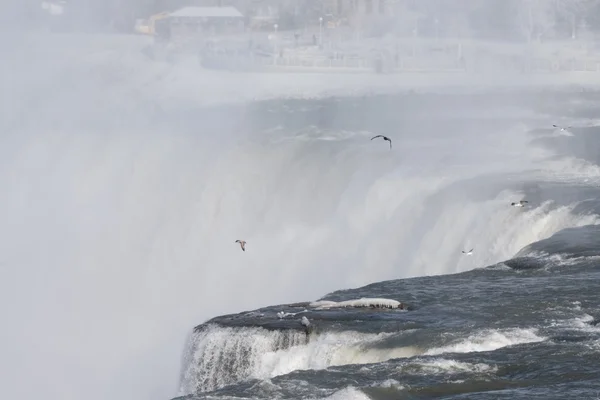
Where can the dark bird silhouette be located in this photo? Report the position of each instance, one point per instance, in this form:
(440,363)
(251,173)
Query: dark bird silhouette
(384,138)
(561,128)
(520,203)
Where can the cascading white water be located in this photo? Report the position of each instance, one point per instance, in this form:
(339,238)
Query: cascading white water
(219,356)
(119,215)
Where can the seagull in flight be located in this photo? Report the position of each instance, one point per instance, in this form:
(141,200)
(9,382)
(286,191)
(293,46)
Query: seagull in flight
(469,253)
(520,203)
(562,129)
(242,244)
(384,138)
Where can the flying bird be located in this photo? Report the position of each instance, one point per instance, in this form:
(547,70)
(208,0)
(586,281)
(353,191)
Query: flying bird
(242,244)
(561,128)
(520,203)
(469,253)
(384,138)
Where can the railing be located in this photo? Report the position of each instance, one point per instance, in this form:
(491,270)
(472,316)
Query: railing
(386,65)
(351,65)
(398,57)
(315,62)
(572,65)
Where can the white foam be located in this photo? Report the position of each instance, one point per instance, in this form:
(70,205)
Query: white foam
(441,365)
(219,356)
(580,323)
(348,393)
(594,345)
(554,259)
(282,315)
(583,323)
(389,383)
(570,169)
(359,303)
(496,231)
(488,340)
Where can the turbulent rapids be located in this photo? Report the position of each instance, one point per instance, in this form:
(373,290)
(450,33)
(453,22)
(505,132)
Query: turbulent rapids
(261,345)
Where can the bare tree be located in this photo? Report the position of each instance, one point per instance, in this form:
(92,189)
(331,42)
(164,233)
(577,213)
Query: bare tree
(573,12)
(455,17)
(535,18)
(406,19)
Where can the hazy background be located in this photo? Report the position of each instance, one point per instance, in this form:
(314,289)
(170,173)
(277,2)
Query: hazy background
(490,19)
(124,191)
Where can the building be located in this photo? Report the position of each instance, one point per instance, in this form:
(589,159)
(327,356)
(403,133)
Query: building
(374,8)
(193,22)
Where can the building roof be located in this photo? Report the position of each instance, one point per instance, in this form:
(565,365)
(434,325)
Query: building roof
(198,12)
